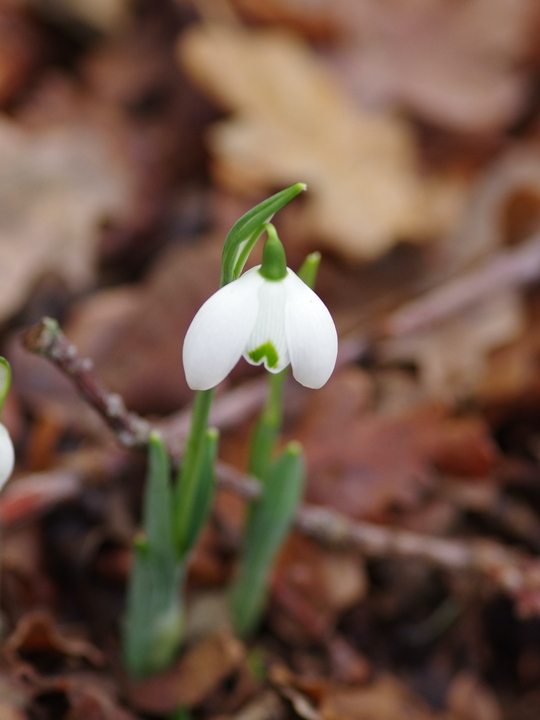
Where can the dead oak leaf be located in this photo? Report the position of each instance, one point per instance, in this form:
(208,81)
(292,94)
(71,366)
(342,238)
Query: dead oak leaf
(56,186)
(292,122)
(461,65)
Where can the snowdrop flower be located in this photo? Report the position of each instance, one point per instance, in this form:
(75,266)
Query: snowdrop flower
(269,316)
(7,456)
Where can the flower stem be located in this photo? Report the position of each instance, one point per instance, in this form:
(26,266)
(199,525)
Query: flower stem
(188,476)
(268,426)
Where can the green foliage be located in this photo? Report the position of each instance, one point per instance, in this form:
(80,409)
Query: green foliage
(269,521)
(154,615)
(248,229)
(203,493)
(5,380)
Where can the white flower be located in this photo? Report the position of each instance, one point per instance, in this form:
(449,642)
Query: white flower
(275,322)
(7,456)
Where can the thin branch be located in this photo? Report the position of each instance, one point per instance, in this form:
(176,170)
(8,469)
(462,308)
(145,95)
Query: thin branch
(47,339)
(505,269)
(513,572)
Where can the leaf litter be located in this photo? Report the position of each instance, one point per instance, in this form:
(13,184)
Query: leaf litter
(131,137)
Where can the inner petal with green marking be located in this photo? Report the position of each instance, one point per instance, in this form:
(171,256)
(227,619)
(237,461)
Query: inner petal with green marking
(266,352)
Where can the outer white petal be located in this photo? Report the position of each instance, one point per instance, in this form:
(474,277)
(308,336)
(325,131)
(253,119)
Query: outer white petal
(219,332)
(310,332)
(7,456)
(270,325)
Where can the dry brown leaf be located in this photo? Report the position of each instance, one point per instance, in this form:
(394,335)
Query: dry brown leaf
(56,187)
(469,699)
(362,462)
(450,331)
(194,676)
(292,122)
(102,15)
(385,699)
(312,586)
(36,635)
(21,49)
(452,355)
(459,64)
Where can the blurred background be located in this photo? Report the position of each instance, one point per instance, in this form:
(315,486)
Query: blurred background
(133,134)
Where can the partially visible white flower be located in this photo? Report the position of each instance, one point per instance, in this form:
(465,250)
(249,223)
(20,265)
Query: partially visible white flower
(275,322)
(7,456)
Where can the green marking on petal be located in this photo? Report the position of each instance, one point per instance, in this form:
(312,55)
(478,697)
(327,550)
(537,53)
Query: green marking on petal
(268,351)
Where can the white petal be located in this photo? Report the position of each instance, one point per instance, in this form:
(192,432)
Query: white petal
(269,328)
(310,332)
(7,456)
(219,332)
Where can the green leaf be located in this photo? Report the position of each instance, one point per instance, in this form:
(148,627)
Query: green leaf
(154,620)
(269,521)
(310,268)
(248,229)
(154,614)
(204,491)
(157,516)
(5,380)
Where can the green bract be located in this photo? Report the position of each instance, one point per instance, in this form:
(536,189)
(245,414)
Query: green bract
(246,231)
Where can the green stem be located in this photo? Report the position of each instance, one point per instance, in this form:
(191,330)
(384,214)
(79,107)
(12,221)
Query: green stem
(268,426)
(186,485)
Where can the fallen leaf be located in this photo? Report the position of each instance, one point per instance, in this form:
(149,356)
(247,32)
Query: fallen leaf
(476,306)
(385,699)
(21,50)
(56,186)
(37,636)
(313,586)
(452,354)
(313,18)
(469,699)
(81,695)
(102,15)
(200,670)
(363,462)
(292,122)
(459,65)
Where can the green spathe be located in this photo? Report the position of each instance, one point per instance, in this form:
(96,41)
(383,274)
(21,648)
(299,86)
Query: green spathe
(274,262)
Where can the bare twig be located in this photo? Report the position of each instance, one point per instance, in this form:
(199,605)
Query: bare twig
(505,269)
(47,339)
(515,573)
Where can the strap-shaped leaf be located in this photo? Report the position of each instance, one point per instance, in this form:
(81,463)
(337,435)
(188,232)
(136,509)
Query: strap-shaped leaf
(204,491)
(154,619)
(248,229)
(269,521)
(157,515)
(154,613)
(5,380)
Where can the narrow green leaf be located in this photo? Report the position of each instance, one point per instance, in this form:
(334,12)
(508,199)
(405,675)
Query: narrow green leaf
(158,501)
(154,614)
(269,521)
(5,380)
(185,492)
(204,491)
(154,619)
(310,268)
(247,230)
